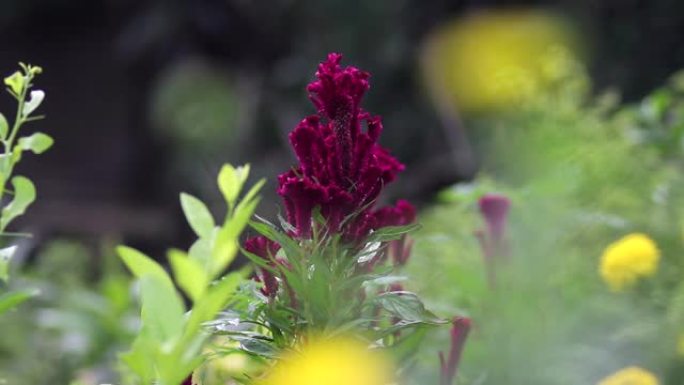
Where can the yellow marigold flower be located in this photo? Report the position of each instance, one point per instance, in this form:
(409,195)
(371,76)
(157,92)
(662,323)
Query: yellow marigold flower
(340,361)
(492,59)
(628,259)
(630,376)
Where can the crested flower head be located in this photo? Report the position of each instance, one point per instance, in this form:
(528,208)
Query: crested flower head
(630,376)
(342,169)
(627,260)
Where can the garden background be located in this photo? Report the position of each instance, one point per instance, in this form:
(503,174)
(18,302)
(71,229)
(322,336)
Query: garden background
(149,98)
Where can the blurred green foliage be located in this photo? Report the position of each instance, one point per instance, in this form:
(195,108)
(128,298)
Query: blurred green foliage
(581,171)
(76,326)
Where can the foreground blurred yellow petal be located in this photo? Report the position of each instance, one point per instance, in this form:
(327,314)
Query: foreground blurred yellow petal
(630,376)
(492,59)
(627,260)
(338,361)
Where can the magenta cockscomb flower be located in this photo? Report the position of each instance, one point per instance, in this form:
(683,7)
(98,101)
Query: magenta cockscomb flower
(494,208)
(342,169)
(449,364)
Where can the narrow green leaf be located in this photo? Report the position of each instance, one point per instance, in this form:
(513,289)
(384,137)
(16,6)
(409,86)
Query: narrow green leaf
(4,126)
(210,304)
(10,300)
(240,219)
(286,242)
(190,275)
(141,265)
(5,258)
(198,215)
(37,143)
(224,251)
(391,233)
(258,346)
(24,195)
(407,306)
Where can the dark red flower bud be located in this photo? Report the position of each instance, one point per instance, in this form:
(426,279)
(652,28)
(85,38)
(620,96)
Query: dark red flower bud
(494,209)
(265,249)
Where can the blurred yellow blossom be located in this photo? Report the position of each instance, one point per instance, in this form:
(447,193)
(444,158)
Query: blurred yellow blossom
(628,259)
(491,59)
(630,376)
(339,361)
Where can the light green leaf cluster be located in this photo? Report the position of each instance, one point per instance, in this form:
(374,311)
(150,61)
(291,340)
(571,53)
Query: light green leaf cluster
(22,192)
(169,345)
(19,85)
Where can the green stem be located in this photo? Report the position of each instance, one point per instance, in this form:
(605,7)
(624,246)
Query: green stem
(8,142)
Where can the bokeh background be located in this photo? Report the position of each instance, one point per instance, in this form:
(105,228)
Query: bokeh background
(149,98)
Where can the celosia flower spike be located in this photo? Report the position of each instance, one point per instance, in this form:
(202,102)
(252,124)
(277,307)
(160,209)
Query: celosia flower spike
(342,169)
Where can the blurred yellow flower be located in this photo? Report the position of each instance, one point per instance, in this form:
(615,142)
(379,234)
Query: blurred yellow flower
(630,376)
(339,361)
(628,259)
(491,59)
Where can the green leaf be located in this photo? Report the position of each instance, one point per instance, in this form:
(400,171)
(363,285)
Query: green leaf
(190,275)
(408,307)
(15,82)
(4,126)
(200,251)
(210,304)
(141,265)
(162,309)
(198,215)
(24,195)
(14,298)
(405,349)
(5,258)
(37,98)
(391,233)
(224,251)
(258,346)
(230,182)
(37,143)
(243,213)
(140,359)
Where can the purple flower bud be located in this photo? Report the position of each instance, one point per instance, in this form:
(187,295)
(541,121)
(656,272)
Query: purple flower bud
(494,208)
(266,249)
